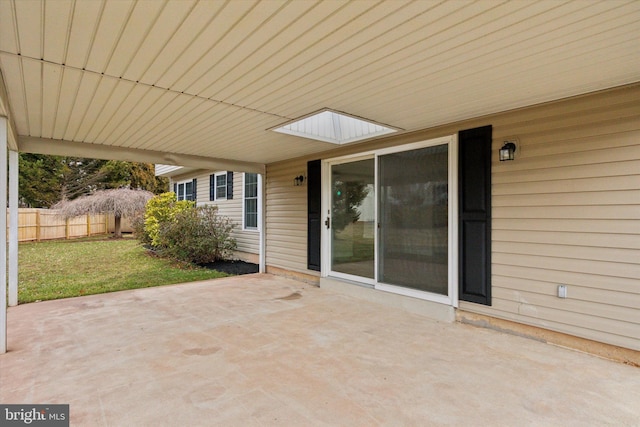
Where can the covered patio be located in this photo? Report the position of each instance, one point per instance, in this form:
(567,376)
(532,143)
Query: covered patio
(265,350)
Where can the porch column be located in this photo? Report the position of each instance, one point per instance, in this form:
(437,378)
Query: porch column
(13,228)
(263,222)
(3,235)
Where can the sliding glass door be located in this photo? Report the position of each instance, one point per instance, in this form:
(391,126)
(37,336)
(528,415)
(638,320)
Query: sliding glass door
(353,218)
(391,224)
(413,201)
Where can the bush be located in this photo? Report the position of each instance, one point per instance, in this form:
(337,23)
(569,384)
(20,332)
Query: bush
(137,224)
(197,235)
(161,209)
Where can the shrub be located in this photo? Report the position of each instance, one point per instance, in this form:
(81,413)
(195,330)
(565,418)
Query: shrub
(197,235)
(162,208)
(137,224)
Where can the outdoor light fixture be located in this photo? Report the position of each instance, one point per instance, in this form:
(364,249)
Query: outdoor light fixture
(298,180)
(508,150)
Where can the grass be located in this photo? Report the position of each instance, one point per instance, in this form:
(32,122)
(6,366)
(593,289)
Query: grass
(63,269)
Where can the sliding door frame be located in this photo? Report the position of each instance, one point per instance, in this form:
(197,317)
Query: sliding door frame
(452,221)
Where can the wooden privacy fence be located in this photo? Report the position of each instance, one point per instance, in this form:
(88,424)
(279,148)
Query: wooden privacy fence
(46,224)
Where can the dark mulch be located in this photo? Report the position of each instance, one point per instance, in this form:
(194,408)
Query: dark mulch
(232,267)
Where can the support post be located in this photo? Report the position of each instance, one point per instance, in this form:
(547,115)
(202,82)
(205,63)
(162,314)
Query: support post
(3,235)
(88,225)
(13,228)
(263,222)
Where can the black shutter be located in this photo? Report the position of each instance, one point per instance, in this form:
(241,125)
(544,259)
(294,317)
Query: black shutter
(175,188)
(212,187)
(229,185)
(474,177)
(314,213)
(195,189)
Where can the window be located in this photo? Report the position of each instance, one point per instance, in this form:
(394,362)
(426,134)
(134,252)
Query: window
(221,186)
(185,190)
(251,186)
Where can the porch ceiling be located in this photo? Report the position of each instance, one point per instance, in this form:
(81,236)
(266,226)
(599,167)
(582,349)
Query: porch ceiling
(194,80)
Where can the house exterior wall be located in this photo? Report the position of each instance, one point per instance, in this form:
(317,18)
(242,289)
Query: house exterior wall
(566,211)
(248,240)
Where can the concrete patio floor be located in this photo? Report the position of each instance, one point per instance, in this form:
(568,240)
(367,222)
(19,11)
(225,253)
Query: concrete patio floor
(261,350)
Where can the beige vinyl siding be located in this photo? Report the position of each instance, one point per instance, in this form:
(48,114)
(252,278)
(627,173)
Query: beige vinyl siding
(286,210)
(566,211)
(248,240)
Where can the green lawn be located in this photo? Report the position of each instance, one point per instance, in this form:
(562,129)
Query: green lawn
(62,269)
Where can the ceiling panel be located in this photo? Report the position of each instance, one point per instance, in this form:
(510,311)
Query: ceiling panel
(84,24)
(69,90)
(270,55)
(13,76)
(81,98)
(172,16)
(92,117)
(57,17)
(8,32)
(114,104)
(110,27)
(210,77)
(201,47)
(32,72)
(138,25)
(141,112)
(198,20)
(51,83)
(29,24)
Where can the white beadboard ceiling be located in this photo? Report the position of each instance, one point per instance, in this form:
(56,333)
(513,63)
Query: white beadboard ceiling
(200,82)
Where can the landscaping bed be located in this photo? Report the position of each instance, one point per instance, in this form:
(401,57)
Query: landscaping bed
(233,267)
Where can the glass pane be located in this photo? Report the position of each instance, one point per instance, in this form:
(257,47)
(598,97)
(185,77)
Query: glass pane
(413,219)
(251,221)
(251,185)
(188,191)
(353,218)
(180,191)
(251,213)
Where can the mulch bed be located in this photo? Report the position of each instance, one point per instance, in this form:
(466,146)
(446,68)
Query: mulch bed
(232,267)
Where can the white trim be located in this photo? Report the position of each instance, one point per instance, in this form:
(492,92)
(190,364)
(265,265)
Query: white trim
(452,286)
(414,293)
(259,200)
(325,235)
(184,183)
(215,186)
(263,225)
(13,228)
(3,236)
(453,220)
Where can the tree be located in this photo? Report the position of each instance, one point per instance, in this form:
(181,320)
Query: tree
(347,198)
(117,202)
(40,180)
(45,180)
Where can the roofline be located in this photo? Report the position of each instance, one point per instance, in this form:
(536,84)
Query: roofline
(29,144)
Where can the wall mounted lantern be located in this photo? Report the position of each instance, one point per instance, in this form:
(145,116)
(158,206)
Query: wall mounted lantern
(508,150)
(298,180)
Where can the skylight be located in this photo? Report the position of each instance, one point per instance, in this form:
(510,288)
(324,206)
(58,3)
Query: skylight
(336,128)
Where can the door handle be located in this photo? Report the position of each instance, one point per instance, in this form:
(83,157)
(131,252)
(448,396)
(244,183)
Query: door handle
(328,222)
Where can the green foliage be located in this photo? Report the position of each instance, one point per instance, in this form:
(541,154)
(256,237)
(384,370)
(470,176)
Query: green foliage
(347,197)
(40,179)
(45,180)
(137,225)
(162,208)
(197,235)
